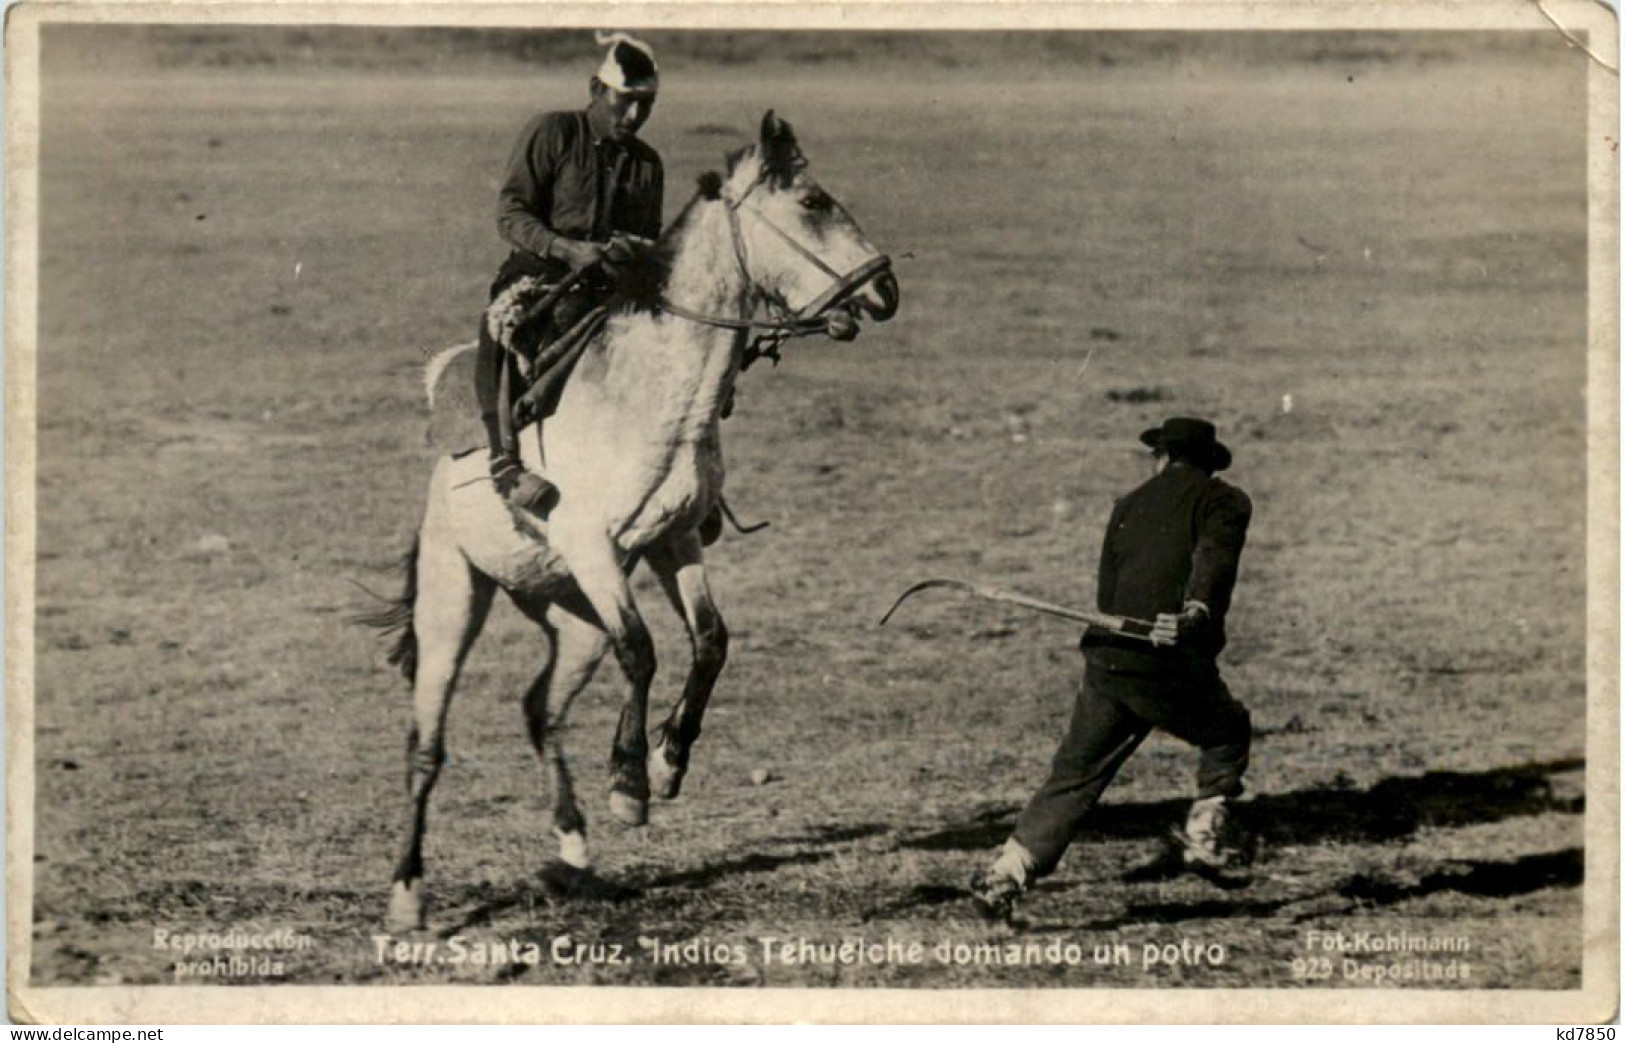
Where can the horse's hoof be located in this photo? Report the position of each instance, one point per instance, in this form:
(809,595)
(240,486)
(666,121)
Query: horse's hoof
(665,774)
(406,906)
(573,849)
(631,810)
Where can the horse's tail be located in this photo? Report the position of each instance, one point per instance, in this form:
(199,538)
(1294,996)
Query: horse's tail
(435,365)
(396,617)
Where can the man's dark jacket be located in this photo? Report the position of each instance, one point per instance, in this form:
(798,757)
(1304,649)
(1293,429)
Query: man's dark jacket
(1173,540)
(562,181)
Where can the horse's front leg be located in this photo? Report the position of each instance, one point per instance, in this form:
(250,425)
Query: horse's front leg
(598,572)
(681,572)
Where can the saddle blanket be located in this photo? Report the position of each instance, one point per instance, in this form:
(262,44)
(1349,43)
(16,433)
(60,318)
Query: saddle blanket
(454,412)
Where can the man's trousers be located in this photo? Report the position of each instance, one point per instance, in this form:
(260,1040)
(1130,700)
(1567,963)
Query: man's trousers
(1113,714)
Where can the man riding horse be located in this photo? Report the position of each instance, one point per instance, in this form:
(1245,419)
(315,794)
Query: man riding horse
(635,448)
(581,196)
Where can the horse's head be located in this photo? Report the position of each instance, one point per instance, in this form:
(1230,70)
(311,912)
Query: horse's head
(799,246)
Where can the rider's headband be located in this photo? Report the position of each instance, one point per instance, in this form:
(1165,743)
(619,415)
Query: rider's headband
(629,66)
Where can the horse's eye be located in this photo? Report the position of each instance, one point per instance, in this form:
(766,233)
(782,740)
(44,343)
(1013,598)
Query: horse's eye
(816,201)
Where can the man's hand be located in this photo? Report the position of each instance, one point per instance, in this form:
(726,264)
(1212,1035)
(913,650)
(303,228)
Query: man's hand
(1172,630)
(625,247)
(578,253)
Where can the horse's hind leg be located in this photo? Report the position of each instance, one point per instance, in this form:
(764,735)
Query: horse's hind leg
(451,606)
(577,648)
(681,573)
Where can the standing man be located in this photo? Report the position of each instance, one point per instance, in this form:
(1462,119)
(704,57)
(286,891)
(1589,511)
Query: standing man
(1170,554)
(580,189)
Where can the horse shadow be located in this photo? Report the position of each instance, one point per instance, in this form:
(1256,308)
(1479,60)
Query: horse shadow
(1392,810)
(557,882)
(763,862)
(554,882)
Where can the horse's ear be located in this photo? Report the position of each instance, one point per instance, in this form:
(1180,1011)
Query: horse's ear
(732,159)
(710,185)
(778,149)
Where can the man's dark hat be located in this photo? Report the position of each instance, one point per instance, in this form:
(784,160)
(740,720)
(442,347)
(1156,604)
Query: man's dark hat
(1192,438)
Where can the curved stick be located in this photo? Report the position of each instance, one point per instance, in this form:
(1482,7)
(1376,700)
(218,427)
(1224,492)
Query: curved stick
(1123,625)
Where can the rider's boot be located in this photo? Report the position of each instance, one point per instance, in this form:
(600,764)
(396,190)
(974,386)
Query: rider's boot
(524,489)
(521,488)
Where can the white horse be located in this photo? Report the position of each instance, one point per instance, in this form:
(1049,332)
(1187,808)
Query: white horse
(635,451)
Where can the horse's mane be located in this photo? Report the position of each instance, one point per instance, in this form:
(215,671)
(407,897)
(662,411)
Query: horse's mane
(641,287)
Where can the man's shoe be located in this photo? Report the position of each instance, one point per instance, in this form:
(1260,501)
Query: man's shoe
(994,894)
(995,889)
(1214,843)
(1208,820)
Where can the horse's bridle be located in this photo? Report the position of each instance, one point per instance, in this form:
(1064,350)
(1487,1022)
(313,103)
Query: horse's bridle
(841,286)
(810,319)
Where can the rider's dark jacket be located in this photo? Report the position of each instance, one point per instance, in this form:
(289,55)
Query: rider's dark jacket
(562,181)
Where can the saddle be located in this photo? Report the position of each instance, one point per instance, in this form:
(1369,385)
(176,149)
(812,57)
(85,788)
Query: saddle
(544,370)
(551,367)
(517,320)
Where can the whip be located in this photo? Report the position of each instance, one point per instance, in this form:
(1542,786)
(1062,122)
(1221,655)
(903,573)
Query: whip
(1134,628)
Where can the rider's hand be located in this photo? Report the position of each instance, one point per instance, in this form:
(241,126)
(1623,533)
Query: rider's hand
(1172,630)
(578,253)
(623,248)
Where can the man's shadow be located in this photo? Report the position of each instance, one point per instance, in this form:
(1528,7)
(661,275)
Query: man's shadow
(1393,809)
(1473,878)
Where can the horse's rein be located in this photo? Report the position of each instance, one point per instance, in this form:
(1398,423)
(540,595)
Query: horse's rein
(791,327)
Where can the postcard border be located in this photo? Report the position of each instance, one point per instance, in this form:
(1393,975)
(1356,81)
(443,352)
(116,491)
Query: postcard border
(1596,1000)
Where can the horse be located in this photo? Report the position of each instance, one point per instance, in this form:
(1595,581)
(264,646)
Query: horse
(634,449)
